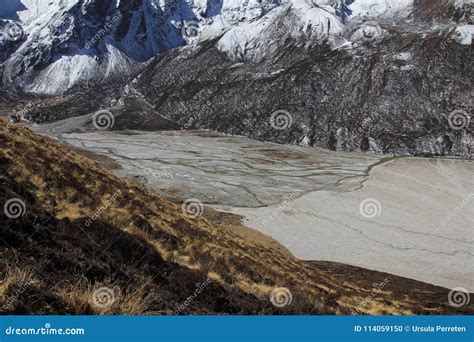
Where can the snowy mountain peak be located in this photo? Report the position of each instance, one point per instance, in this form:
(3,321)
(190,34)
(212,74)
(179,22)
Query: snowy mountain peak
(67,42)
(296,19)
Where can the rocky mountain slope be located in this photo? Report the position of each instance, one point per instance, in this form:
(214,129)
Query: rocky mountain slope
(69,42)
(77,239)
(379,76)
(391,85)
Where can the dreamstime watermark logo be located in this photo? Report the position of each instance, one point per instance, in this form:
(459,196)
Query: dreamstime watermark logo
(457,209)
(12,31)
(281,120)
(367,32)
(103,120)
(103,297)
(199,289)
(111,199)
(109,23)
(192,208)
(459,119)
(46,330)
(190,31)
(370,31)
(14,208)
(458,297)
(194,118)
(370,208)
(28,108)
(280,208)
(281,297)
(18,292)
(159,174)
(376,289)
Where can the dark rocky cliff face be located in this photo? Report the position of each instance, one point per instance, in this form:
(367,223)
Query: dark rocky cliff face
(395,85)
(66,43)
(407,94)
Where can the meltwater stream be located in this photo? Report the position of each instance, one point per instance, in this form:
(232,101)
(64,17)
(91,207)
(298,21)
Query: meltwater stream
(406,216)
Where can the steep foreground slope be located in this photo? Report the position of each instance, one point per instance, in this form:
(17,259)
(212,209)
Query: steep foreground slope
(79,230)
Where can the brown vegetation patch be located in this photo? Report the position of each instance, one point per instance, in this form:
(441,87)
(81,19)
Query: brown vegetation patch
(85,228)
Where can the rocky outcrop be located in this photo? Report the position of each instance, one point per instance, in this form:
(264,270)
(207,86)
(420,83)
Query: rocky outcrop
(329,74)
(67,43)
(403,92)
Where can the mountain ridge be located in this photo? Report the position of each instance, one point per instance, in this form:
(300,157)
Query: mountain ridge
(71,42)
(395,82)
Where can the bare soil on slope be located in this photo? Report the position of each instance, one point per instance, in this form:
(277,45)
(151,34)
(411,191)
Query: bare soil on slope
(83,228)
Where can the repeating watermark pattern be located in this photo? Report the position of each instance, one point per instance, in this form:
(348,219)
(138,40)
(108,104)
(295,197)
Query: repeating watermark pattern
(457,209)
(109,23)
(190,31)
(369,32)
(14,208)
(446,39)
(103,120)
(22,115)
(281,28)
(458,297)
(111,199)
(370,208)
(281,297)
(281,120)
(193,119)
(376,288)
(199,289)
(11,300)
(459,120)
(280,208)
(103,297)
(192,208)
(159,174)
(12,31)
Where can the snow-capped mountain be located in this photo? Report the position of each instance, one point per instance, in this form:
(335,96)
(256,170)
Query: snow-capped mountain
(68,42)
(394,81)
(388,76)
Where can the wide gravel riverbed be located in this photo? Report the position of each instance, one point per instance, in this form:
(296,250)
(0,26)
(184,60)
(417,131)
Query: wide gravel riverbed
(407,216)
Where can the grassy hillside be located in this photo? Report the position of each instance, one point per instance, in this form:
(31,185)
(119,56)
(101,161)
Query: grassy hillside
(85,229)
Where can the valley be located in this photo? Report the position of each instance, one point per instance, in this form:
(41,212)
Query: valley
(374,211)
(78,228)
(280,157)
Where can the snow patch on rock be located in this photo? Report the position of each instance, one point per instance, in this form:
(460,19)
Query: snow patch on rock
(375,8)
(464,34)
(298,19)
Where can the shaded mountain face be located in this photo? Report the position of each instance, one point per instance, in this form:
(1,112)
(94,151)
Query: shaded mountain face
(70,228)
(65,43)
(69,42)
(380,75)
(386,85)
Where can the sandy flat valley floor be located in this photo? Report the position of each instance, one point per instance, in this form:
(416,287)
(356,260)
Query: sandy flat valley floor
(406,216)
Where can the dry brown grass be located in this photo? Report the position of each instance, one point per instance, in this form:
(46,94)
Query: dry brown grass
(133,301)
(15,276)
(14,284)
(71,188)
